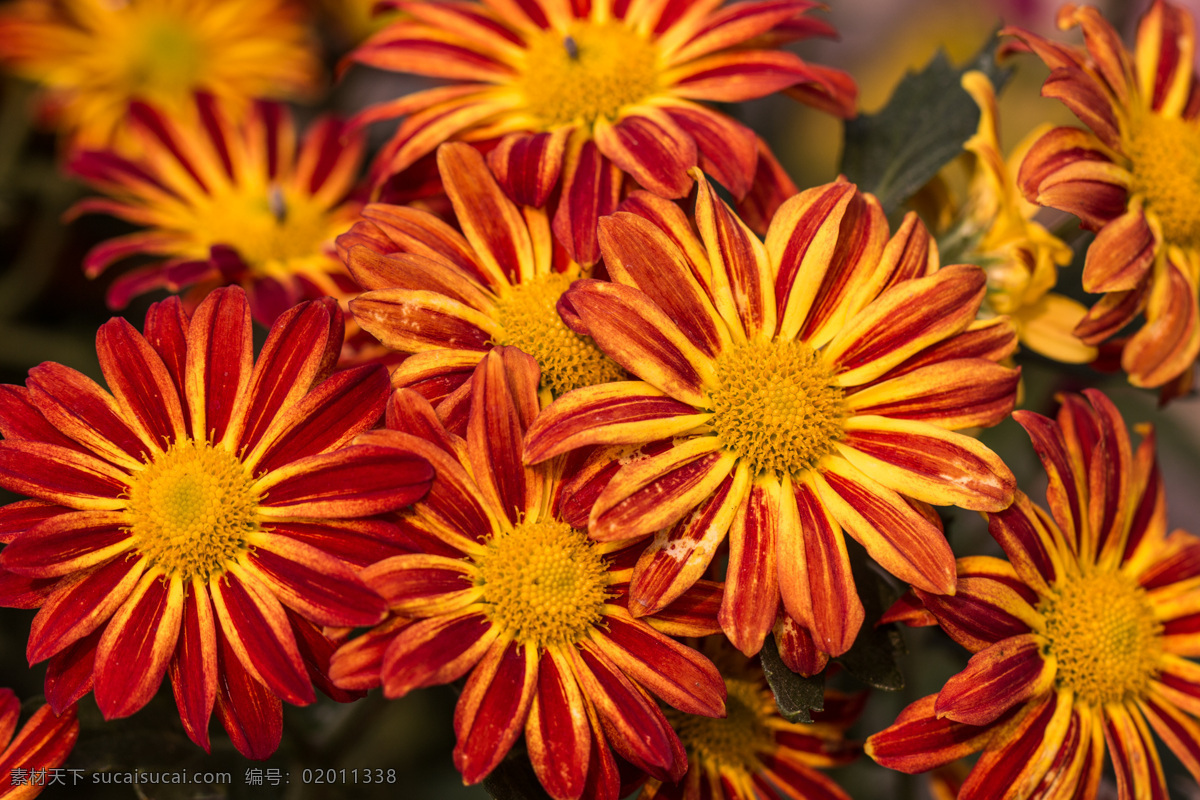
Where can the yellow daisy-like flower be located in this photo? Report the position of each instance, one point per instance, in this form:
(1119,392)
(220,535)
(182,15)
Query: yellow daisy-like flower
(996,230)
(95,57)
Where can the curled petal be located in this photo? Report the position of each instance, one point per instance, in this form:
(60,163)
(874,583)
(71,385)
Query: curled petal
(996,679)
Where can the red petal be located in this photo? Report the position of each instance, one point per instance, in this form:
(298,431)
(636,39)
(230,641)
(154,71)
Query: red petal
(591,189)
(79,605)
(219,361)
(528,165)
(651,148)
(556,732)
(434,651)
(996,679)
(492,710)
(752,578)
(194,668)
(251,713)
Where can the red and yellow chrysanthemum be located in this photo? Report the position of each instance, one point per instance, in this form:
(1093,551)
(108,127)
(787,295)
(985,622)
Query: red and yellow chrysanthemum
(193,522)
(94,58)
(1134,179)
(753,753)
(995,229)
(799,388)
(582,95)
(448,297)
(226,202)
(511,594)
(1081,640)
(43,743)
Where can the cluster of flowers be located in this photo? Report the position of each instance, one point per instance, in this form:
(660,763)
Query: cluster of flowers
(537,409)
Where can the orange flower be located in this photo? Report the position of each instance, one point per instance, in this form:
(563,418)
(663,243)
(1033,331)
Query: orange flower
(448,297)
(94,57)
(1080,640)
(203,518)
(797,389)
(43,743)
(227,203)
(509,593)
(1134,179)
(585,94)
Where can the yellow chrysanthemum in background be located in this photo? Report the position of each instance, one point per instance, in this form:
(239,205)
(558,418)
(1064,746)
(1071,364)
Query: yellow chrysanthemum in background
(95,57)
(994,228)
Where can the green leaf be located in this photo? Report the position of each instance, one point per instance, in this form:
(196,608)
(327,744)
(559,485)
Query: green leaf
(895,152)
(795,694)
(872,657)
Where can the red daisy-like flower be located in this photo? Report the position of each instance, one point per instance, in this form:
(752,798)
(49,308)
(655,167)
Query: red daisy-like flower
(1134,179)
(201,520)
(1083,640)
(43,743)
(582,95)
(509,592)
(793,390)
(226,203)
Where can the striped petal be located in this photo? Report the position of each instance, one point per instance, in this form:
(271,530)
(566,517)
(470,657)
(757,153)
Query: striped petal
(528,165)
(250,712)
(646,342)
(492,709)
(1170,341)
(990,604)
(1178,730)
(678,674)
(411,321)
(591,188)
(996,679)
(1027,751)
(79,605)
(639,254)
(743,286)
(1121,255)
(680,555)
(194,672)
(1134,756)
(814,574)
(503,400)
(354,481)
(650,147)
(423,585)
(68,543)
(919,740)
(137,645)
(622,412)
(220,359)
(43,743)
(904,320)
(557,731)
(257,630)
(657,491)
(60,475)
(752,597)
(726,149)
(79,408)
(357,664)
(141,381)
(955,394)
(435,651)
(324,590)
(898,537)
(70,674)
(928,463)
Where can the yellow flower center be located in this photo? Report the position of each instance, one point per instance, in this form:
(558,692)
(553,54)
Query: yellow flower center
(166,59)
(1102,631)
(1165,161)
(729,745)
(543,583)
(777,406)
(592,72)
(531,323)
(276,233)
(191,510)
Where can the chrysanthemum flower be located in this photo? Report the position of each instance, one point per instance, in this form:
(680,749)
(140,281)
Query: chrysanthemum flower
(450,296)
(1134,179)
(194,520)
(808,386)
(43,743)
(995,229)
(95,58)
(753,753)
(511,595)
(227,203)
(1081,639)
(587,94)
